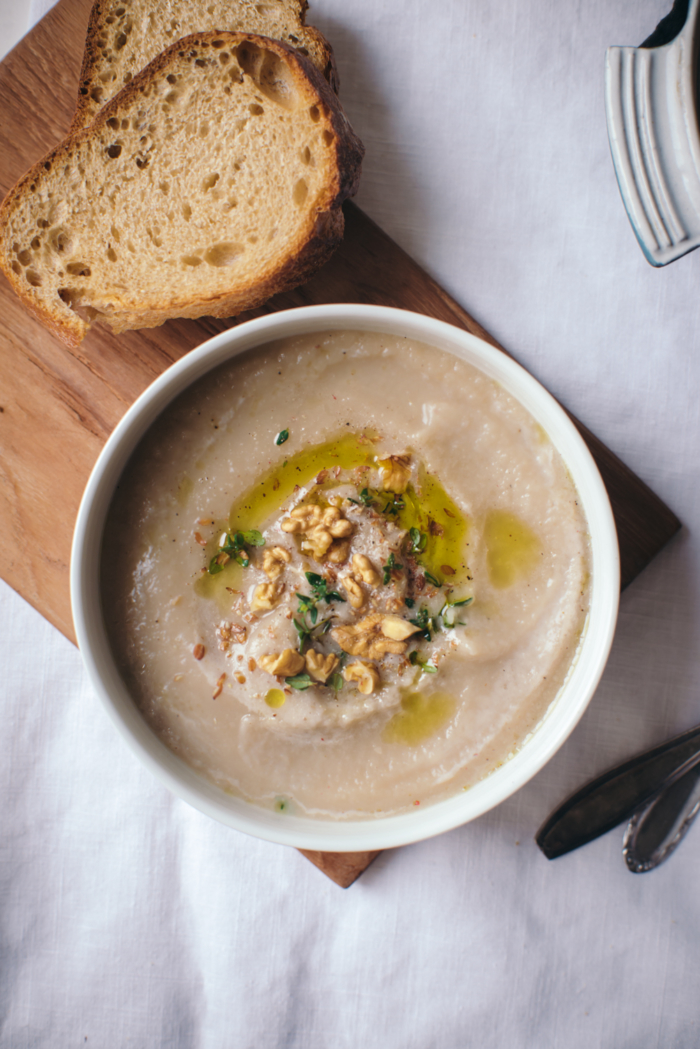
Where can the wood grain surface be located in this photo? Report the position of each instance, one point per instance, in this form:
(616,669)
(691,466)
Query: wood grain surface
(58,406)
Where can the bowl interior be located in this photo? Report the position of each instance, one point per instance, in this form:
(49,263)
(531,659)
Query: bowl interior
(362,834)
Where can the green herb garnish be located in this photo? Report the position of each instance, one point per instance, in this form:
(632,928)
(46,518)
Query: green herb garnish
(418,540)
(389,567)
(426,665)
(425,622)
(233,545)
(409,602)
(447,614)
(308,606)
(320,588)
(300,682)
(431,578)
(282,436)
(337,682)
(394,504)
(253,537)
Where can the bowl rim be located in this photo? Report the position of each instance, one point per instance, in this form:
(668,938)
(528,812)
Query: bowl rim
(369,833)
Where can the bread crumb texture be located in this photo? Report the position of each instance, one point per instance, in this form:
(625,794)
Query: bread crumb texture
(212,181)
(125,35)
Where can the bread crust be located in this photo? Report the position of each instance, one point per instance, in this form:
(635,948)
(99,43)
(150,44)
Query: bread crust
(87,107)
(320,243)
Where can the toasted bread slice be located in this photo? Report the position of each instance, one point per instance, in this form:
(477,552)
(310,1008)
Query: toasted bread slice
(212,181)
(125,35)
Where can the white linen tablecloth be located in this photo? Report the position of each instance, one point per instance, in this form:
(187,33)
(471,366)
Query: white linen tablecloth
(129,919)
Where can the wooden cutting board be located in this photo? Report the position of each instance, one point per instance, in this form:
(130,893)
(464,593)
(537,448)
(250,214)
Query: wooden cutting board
(58,407)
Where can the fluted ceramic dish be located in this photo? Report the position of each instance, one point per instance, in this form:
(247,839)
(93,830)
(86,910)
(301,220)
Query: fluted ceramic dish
(652,115)
(370,833)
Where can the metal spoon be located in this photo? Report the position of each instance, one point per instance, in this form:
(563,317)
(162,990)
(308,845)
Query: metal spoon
(616,796)
(660,823)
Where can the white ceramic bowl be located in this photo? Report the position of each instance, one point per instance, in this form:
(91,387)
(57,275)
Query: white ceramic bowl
(364,834)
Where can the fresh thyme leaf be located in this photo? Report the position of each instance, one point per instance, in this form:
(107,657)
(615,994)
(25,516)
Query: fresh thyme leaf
(390,565)
(425,622)
(426,665)
(333,595)
(282,436)
(313,614)
(418,540)
(395,504)
(315,580)
(366,497)
(325,625)
(447,614)
(243,560)
(214,566)
(303,632)
(300,682)
(431,578)
(337,682)
(253,538)
(409,602)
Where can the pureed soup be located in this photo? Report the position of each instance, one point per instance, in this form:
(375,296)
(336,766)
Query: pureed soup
(344,575)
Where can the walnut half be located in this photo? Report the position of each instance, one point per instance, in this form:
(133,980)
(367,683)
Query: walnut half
(282,664)
(396,473)
(320,667)
(274,560)
(366,676)
(266,597)
(366,638)
(325,533)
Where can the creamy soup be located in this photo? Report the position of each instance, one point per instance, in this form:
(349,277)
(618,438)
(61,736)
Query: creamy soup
(345,575)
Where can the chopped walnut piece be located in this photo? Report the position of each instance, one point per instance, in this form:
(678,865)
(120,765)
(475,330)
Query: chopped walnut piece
(398,628)
(282,664)
(317,542)
(396,473)
(320,667)
(338,553)
(274,560)
(366,639)
(355,593)
(198,651)
(302,518)
(321,531)
(364,568)
(366,676)
(266,597)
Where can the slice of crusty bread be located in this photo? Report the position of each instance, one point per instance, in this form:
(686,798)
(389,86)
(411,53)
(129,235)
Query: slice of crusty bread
(125,35)
(211,182)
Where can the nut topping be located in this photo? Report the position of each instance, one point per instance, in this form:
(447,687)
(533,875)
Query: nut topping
(366,676)
(366,638)
(398,628)
(320,531)
(282,664)
(396,473)
(320,666)
(274,560)
(364,568)
(354,591)
(266,597)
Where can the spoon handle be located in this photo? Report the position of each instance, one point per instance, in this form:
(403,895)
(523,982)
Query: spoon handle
(663,820)
(613,797)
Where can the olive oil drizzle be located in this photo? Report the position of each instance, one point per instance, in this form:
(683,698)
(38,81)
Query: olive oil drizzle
(428,508)
(419,718)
